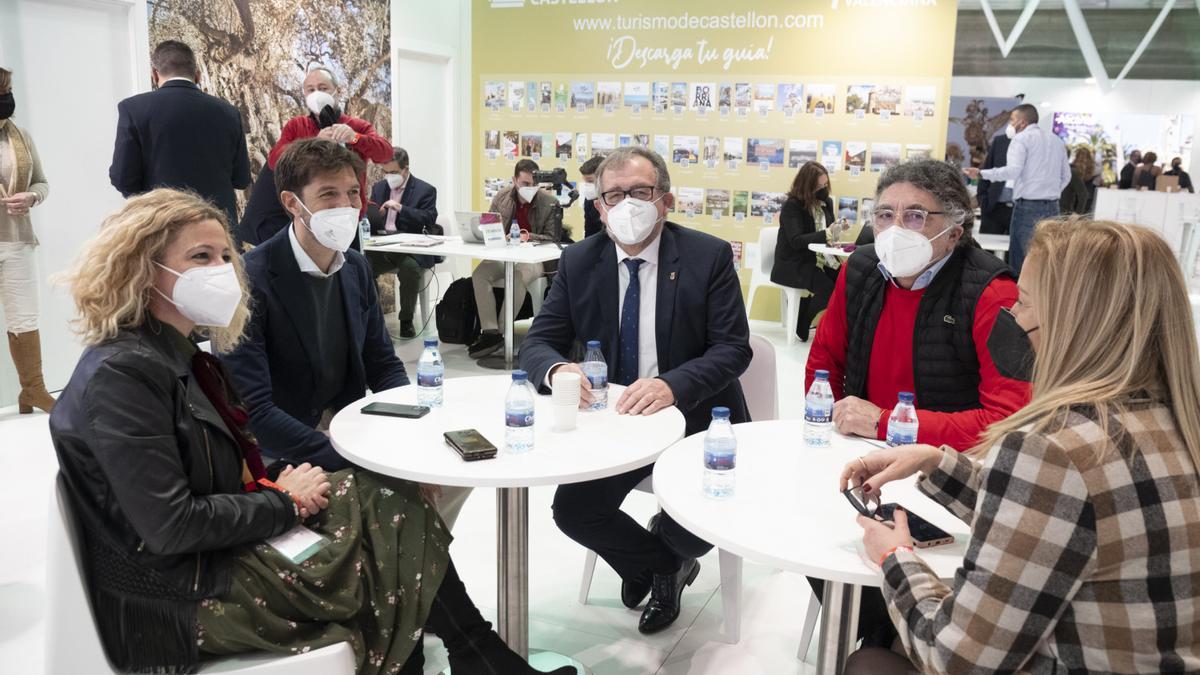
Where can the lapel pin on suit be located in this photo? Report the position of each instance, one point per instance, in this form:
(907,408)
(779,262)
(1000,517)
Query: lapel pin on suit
(672,276)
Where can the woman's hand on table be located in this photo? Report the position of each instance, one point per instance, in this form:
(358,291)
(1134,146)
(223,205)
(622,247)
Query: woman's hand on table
(308,484)
(877,468)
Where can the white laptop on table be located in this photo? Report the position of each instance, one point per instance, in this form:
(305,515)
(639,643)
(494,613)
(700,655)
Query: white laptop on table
(468,224)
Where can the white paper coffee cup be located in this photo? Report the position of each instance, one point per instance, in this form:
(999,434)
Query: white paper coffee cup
(565,416)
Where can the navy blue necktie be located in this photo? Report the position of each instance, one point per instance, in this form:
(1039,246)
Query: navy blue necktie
(627,362)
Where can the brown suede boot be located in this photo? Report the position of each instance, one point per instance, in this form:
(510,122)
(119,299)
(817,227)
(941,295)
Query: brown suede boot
(26,350)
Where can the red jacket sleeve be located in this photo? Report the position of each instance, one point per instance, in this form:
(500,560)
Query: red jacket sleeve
(998,395)
(829,347)
(370,145)
(291,131)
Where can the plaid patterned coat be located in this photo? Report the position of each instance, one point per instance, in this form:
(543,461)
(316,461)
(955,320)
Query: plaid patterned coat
(1077,562)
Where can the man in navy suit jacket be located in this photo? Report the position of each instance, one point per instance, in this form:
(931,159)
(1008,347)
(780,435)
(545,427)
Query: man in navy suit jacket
(405,203)
(666,305)
(179,136)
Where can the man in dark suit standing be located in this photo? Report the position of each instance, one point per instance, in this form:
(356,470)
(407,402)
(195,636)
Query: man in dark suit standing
(316,339)
(995,198)
(180,137)
(1125,180)
(666,305)
(406,204)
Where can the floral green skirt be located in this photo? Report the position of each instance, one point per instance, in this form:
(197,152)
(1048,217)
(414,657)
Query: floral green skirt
(372,586)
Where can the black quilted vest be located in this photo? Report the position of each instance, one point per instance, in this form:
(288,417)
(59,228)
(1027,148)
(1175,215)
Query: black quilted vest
(945,365)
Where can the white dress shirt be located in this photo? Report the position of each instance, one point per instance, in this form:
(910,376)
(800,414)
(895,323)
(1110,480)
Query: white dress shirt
(306,263)
(1037,165)
(648,294)
(648,280)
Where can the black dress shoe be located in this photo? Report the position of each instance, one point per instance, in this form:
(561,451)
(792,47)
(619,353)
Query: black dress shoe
(665,593)
(488,343)
(634,591)
(407,329)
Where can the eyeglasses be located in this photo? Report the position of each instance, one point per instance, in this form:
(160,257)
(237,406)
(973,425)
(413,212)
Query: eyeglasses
(912,219)
(614,197)
(868,505)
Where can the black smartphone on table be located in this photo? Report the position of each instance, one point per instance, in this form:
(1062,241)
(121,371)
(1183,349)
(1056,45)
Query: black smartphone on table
(924,533)
(410,412)
(470,445)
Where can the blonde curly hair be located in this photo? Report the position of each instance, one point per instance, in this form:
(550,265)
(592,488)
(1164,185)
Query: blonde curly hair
(113,276)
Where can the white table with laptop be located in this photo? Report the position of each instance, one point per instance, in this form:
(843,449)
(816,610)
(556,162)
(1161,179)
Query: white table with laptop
(475,239)
(569,446)
(787,512)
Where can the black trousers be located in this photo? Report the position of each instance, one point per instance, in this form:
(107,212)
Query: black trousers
(997,220)
(822,282)
(875,626)
(590,513)
(453,617)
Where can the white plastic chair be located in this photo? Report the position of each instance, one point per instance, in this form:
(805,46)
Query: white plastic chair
(1189,249)
(69,617)
(759,384)
(760,276)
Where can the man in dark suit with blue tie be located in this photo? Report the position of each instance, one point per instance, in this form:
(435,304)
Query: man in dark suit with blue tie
(179,136)
(666,304)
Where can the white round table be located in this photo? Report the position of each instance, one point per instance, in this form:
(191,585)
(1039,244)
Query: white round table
(787,512)
(603,444)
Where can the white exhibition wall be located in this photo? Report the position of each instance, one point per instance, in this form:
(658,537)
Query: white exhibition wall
(1157,97)
(73,60)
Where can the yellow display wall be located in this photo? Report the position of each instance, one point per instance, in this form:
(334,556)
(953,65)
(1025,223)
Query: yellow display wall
(871,76)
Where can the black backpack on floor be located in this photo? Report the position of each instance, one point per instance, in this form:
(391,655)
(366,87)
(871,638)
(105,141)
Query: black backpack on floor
(457,315)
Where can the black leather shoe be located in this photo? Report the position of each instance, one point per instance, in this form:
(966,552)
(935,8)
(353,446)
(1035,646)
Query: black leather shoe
(665,593)
(407,329)
(633,592)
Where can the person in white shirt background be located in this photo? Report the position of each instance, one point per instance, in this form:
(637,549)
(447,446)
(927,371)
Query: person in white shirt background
(1037,165)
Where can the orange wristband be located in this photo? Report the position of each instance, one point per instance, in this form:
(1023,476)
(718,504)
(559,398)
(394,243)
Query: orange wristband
(893,550)
(266,483)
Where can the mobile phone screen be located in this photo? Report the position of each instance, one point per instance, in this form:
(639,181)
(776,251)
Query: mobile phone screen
(921,530)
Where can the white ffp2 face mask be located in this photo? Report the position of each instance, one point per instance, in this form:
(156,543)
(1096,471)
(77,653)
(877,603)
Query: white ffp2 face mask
(1010,131)
(587,191)
(207,296)
(528,193)
(317,100)
(632,221)
(905,252)
(394,180)
(334,228)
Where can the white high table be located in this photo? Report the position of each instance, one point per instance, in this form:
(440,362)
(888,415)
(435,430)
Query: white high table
(529,252)
(787,513)
(603,444)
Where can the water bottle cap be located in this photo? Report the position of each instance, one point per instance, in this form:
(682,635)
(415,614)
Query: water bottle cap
(431,342)
(720,412)
(906,397)
(822,374)
(593,344)
(519,376)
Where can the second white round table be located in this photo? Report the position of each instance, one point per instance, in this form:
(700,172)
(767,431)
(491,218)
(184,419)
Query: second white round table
(787,512)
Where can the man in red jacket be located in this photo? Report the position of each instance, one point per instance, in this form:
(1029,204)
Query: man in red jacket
(914,312)
(326,120)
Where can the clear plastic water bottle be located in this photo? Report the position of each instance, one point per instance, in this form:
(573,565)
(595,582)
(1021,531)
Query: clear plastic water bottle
(430,372)
(596,371)
(514,233)
(518,414)
(902,425)
(364,231)
(818,412)
(720,455)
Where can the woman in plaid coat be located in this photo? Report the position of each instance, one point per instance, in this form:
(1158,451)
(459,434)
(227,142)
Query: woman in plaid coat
(1085,505)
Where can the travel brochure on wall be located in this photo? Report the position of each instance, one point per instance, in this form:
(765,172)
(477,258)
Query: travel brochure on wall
(734,100)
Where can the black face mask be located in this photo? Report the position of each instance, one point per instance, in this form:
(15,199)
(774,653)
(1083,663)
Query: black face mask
(823,194)
(1010,348)
(328,117)
(7,106)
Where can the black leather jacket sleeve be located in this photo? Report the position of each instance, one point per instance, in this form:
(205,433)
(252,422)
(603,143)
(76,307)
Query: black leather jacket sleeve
(133,430)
